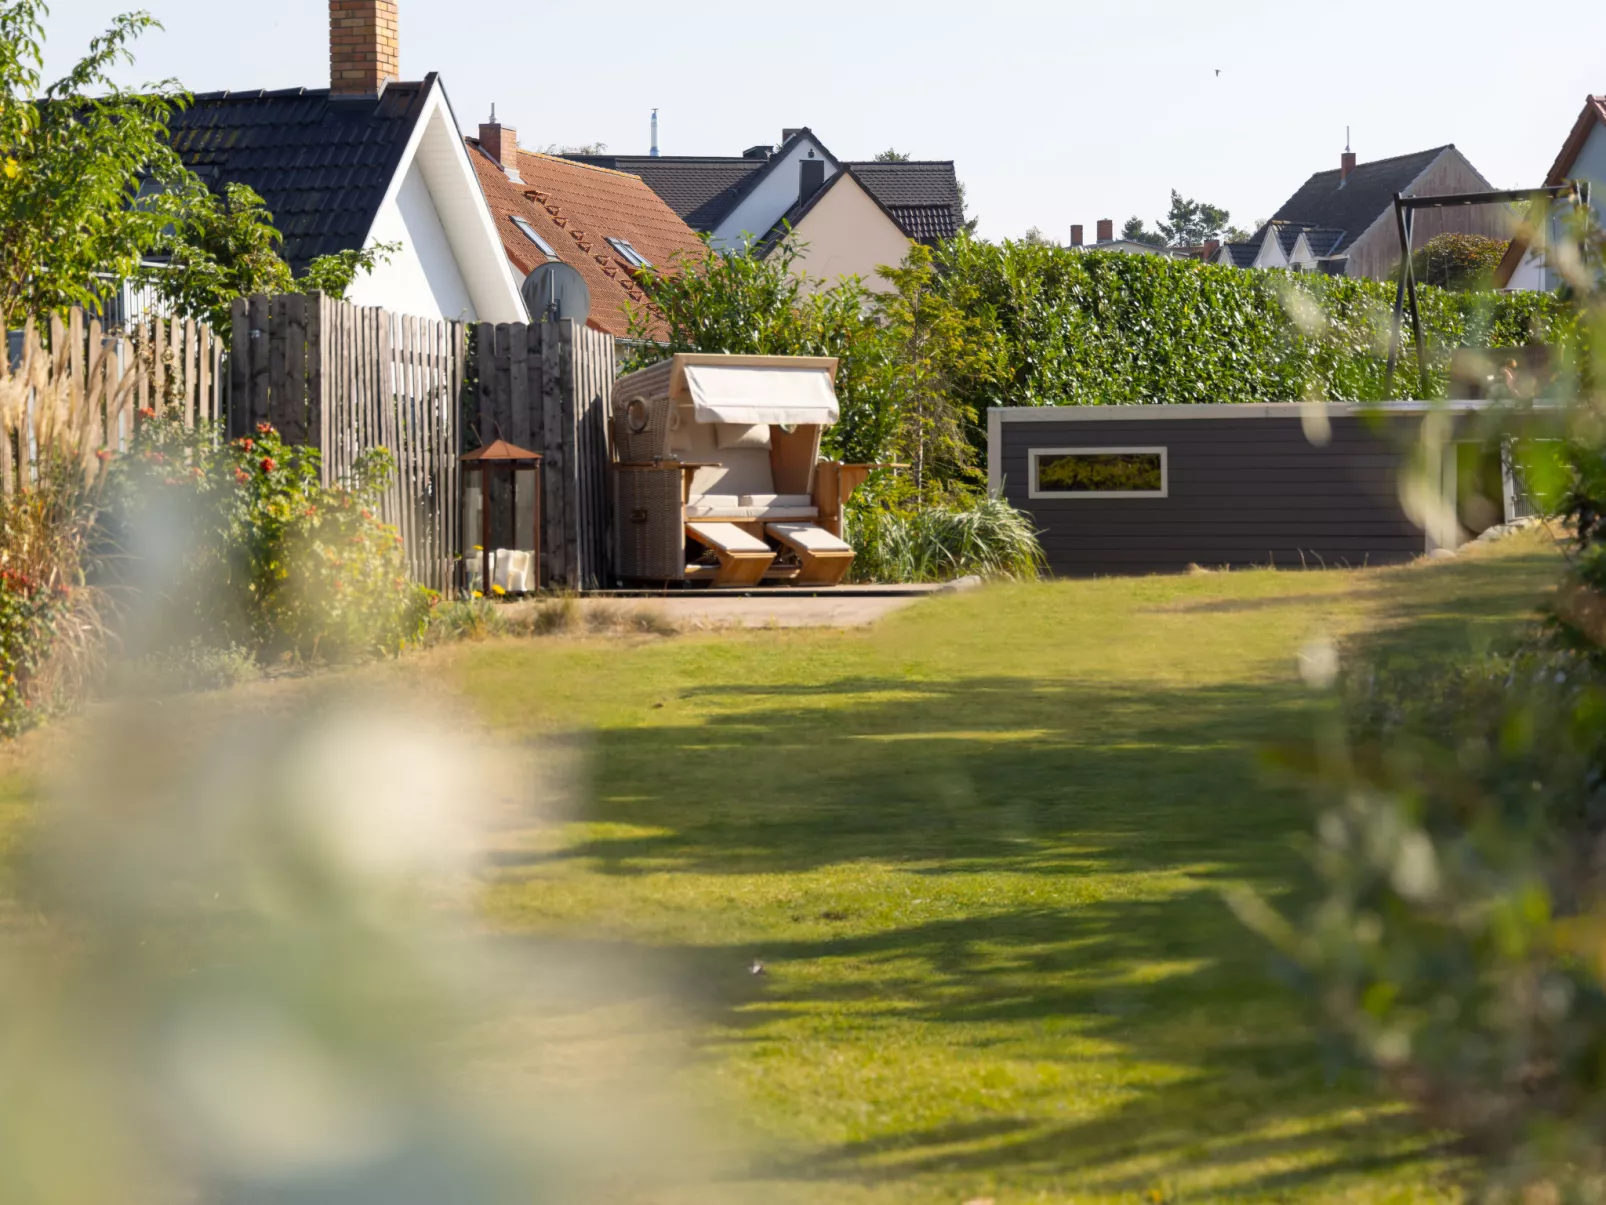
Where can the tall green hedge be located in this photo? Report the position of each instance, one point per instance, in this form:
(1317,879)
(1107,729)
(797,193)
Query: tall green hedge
(1097,328)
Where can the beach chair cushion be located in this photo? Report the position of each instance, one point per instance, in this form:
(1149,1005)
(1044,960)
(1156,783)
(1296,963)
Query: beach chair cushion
(726,537)
(713,504)
(808,537)
(794,501)
(734,435)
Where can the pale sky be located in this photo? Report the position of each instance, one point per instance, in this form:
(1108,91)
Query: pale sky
(1053,112)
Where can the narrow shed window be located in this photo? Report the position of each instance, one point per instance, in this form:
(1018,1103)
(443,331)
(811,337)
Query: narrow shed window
(1099,473)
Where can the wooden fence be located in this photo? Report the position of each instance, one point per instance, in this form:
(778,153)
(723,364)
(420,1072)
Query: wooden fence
(346,379)
(548,387)
(73,383)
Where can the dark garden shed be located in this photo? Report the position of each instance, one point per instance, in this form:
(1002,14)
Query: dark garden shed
(1155,489)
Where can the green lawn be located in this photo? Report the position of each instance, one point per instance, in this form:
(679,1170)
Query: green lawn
(979,850)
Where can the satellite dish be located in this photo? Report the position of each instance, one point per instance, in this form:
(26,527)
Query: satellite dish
(555,291)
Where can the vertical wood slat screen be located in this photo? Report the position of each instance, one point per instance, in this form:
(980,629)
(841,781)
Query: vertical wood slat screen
(105,376)
(548,387)
(345,379)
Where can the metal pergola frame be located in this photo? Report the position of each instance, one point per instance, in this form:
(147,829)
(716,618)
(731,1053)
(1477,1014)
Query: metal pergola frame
(1405,219)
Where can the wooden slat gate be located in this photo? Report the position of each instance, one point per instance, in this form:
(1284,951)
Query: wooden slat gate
(548,387)
(348,378)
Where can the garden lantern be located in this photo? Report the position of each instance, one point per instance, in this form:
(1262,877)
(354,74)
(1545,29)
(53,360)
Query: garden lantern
(502,511)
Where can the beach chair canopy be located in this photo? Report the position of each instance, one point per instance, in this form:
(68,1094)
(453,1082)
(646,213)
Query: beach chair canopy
(789,391)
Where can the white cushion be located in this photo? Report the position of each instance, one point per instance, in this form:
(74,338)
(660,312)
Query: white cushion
(752,512)
(730,501)
(807,537)
(727,536)
(735,435)
(792,500)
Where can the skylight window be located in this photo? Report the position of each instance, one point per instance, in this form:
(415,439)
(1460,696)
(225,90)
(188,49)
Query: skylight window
(629,254)
(529,232)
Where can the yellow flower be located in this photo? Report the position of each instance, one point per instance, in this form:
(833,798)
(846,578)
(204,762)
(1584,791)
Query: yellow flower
(498,590)
(12,169)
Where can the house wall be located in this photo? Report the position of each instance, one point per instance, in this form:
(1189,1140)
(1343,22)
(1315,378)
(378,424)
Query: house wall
(1376,253)
(778,192)
(1590,165)
(423,278)
(847,234)
(1246,487)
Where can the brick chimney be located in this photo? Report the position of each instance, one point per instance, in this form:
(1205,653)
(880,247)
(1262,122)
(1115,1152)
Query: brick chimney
(1211,246)
(363,52)
(1076,236)
(1106,230)
(1346,164)
(501,143)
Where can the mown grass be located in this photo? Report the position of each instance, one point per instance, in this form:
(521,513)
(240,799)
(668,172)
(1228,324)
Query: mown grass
(979,851)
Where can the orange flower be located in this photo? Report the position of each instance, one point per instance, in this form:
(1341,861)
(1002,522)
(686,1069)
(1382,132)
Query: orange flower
(104,455)
(264,428)
(146,412)
(241,476)
(267,464)
(247,443)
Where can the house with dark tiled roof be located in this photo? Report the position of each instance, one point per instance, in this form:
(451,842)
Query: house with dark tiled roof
(606,224)
(853,216)
(1342,222)
(369,159)
(1582,159)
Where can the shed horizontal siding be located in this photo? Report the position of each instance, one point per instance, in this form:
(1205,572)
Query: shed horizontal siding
(1241,491)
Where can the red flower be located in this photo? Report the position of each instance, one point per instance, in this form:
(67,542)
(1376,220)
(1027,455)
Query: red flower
(146,412)
(267,464)
(264,428)
(247,443)
(104,455)
(241,476)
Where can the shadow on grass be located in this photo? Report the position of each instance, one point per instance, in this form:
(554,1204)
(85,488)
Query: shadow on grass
(1007,776)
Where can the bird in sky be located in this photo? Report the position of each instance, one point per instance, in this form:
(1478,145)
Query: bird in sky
(1218,72)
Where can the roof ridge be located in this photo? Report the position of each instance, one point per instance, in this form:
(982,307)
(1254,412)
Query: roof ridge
(590,167)
(1448,146)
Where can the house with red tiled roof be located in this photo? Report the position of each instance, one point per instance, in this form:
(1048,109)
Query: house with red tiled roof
(606,224)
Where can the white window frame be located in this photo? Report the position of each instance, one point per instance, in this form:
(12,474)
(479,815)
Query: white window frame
(523,226)
(1033,454)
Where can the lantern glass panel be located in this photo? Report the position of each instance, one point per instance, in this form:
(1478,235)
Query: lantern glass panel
(524,502)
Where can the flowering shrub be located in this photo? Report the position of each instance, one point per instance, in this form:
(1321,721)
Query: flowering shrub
(30,614)
(258,551)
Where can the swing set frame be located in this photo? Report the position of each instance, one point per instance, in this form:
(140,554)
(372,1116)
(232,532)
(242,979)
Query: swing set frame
(1405,220)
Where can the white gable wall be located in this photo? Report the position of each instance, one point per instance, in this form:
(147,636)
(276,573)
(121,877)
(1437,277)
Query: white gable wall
(423,278)
(451,264)
(1589,165)
(848,234)
(774,195)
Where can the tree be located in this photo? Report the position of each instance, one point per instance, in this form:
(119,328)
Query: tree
(86,171)
(584,148)
(741,303)
(1136,232)
(1460,262)
(224,245)
(1191,222)
(931,346)
(893,156)
(967,221)
(1037,238)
